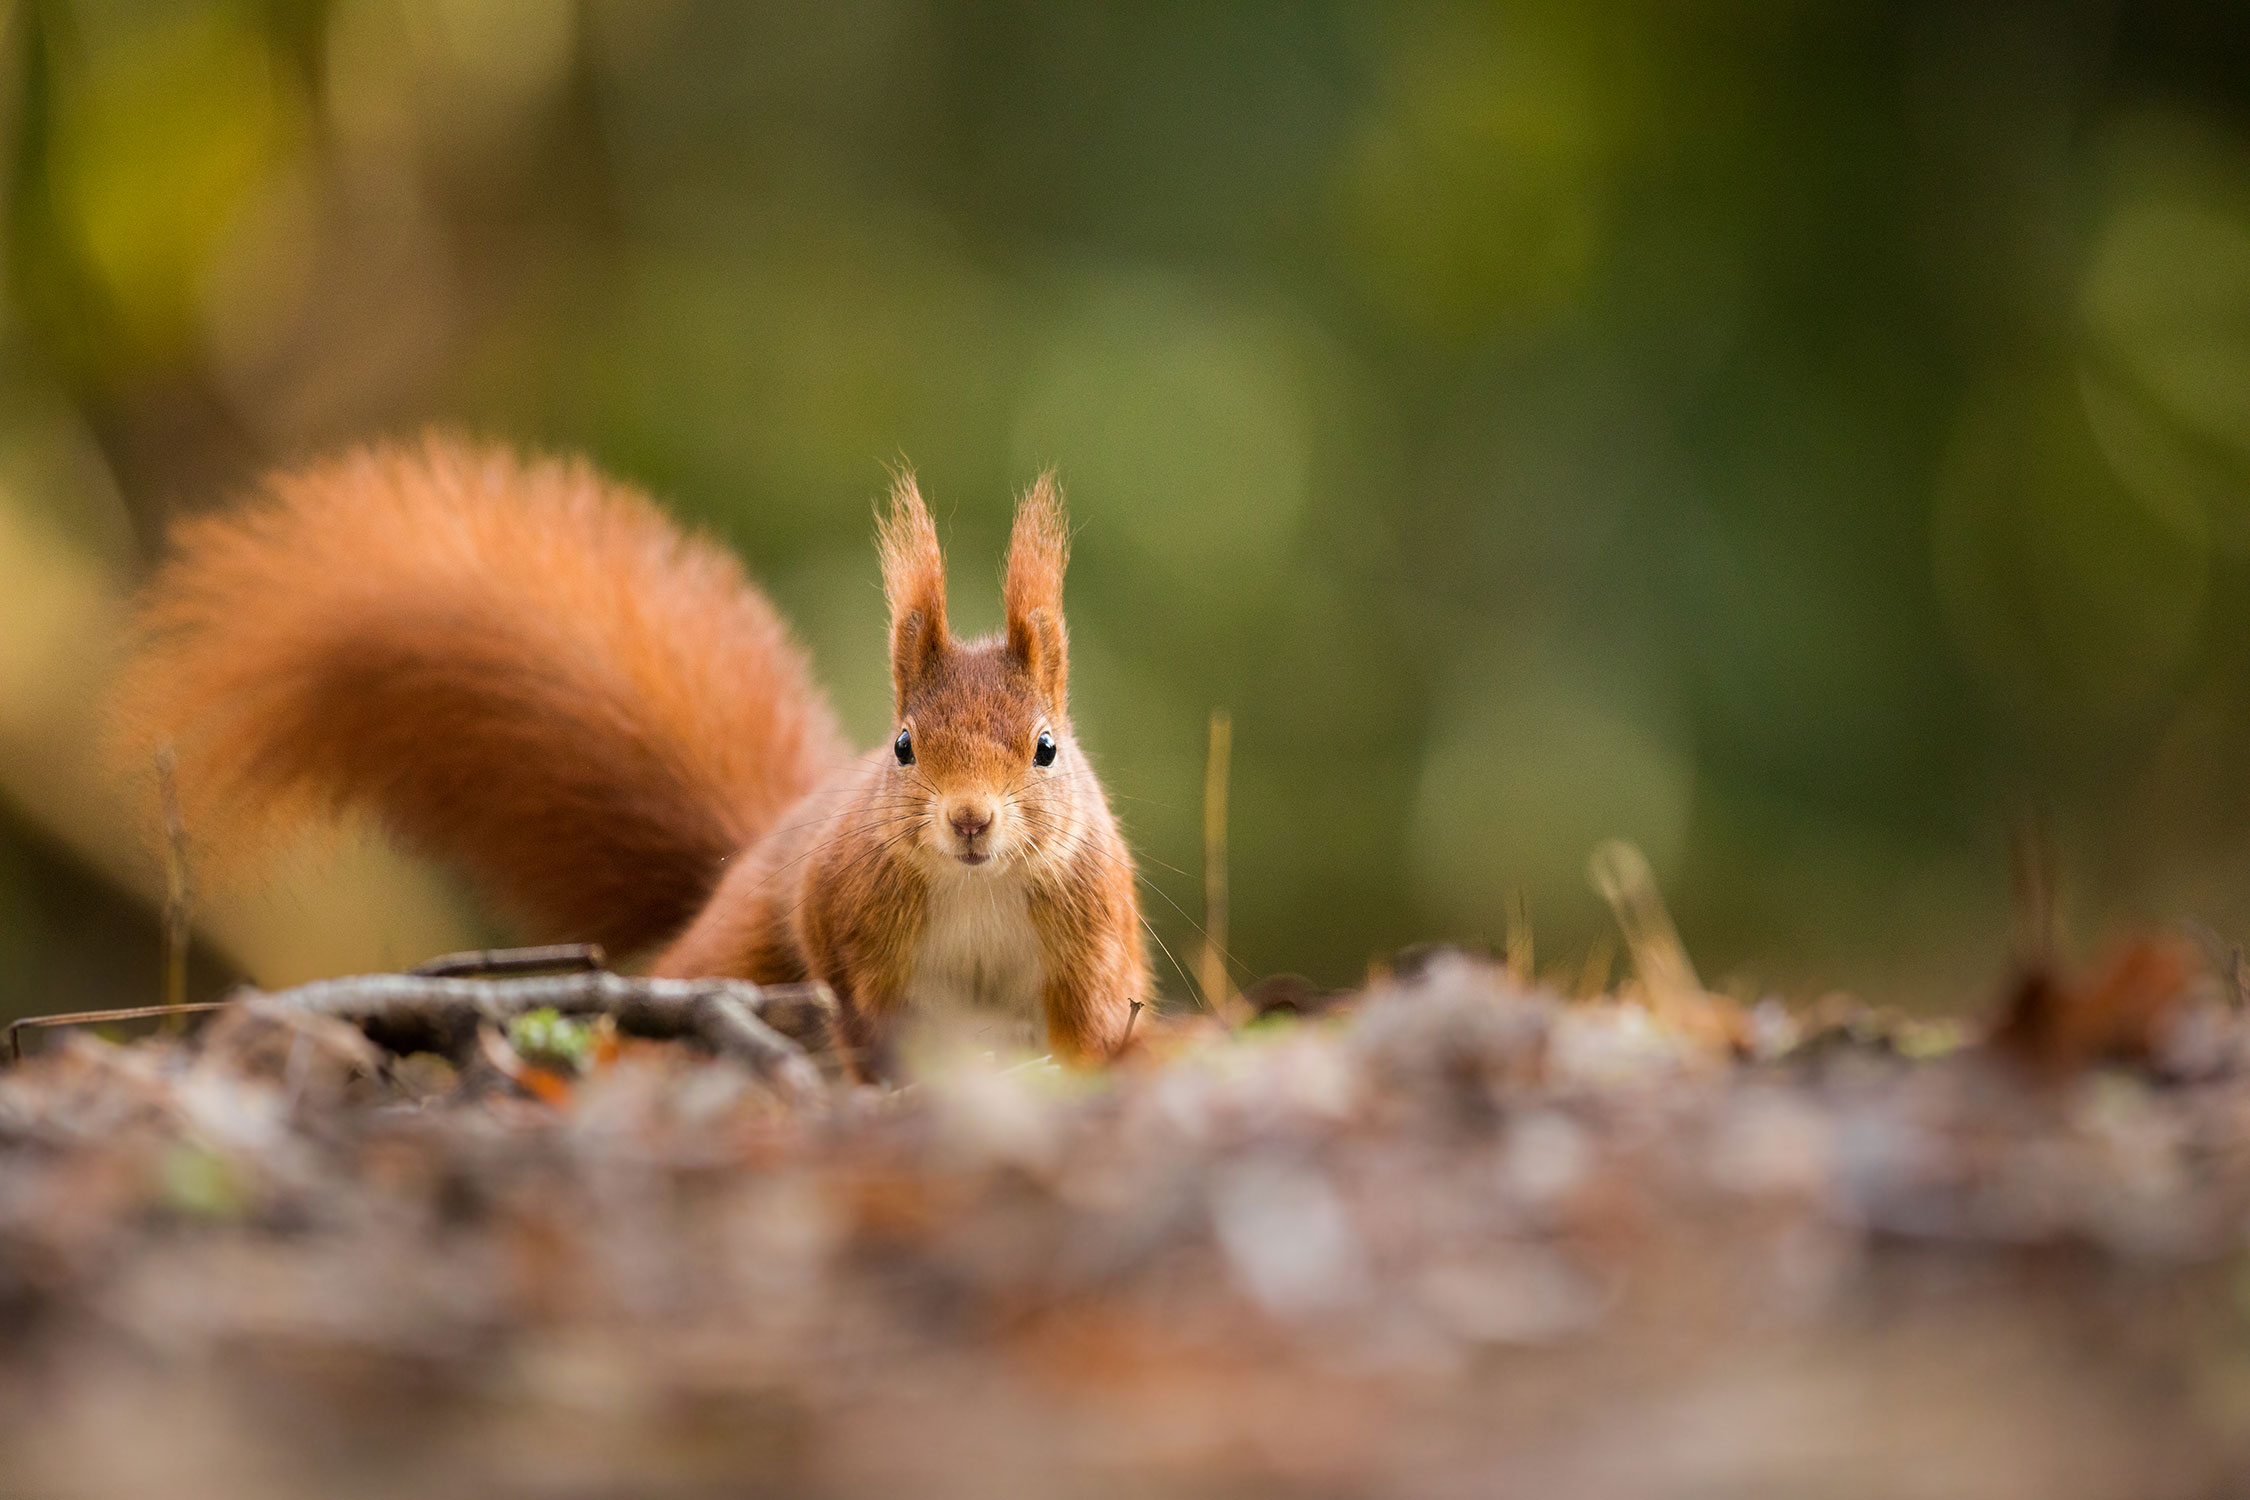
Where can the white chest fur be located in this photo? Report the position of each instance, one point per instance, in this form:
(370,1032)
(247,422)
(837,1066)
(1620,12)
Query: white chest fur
(977,971)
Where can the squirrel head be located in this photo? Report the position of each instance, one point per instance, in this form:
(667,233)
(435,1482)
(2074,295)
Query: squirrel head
(981,752)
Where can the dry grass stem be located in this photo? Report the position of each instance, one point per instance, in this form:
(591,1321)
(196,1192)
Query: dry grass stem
(1218,990)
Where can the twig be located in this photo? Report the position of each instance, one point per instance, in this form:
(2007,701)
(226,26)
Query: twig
(16,1029)
(413,1012)
(768,1029)
(555,958)
(1125,1037)
(488,961)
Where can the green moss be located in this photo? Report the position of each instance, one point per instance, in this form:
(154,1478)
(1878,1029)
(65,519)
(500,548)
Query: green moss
(552,1040)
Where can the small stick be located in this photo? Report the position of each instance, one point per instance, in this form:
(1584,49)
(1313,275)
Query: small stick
(1125,1037)
(554,958)
(179,895)
(408,1011)
(16,1029)
(1218,993)
(724,1015)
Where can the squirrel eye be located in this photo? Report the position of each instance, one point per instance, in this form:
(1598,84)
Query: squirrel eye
(1043,754)
(903,746)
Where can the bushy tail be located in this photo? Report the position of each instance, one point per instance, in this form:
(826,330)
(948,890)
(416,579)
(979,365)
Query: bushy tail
(520,668)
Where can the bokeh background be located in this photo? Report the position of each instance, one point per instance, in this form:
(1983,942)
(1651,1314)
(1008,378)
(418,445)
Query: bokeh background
(1801,436)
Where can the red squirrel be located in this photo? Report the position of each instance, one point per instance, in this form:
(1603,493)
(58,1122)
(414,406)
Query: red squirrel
(528,671)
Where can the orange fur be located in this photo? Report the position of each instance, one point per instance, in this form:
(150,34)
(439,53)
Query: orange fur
(531,673)
(846,892)
(523,669)
(1037,554)
(913,580)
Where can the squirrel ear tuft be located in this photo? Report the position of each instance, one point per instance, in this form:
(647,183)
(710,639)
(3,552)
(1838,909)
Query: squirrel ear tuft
(1037,554)
(913,582)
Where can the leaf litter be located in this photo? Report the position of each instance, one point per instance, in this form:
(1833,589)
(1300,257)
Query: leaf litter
(1450,1235)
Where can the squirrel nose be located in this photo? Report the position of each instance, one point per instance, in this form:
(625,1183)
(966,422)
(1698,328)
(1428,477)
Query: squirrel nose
(970,820)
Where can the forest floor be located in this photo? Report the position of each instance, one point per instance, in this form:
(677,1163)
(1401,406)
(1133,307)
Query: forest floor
(1451,1236)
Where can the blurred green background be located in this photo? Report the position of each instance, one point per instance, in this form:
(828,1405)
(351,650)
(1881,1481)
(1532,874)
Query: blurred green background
(1799,437)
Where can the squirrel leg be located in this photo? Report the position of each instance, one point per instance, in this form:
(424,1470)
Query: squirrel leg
(1087,1016)
(1094,966)
(868,1046)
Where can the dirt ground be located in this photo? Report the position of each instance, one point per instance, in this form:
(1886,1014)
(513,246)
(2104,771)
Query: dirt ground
(1454,1237)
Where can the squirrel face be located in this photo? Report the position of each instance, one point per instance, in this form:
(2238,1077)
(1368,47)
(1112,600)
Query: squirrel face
(982,746)
(984,760)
